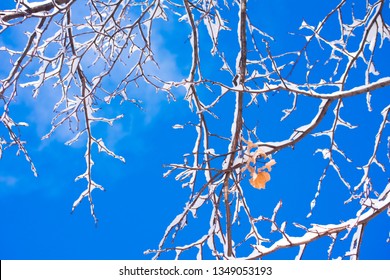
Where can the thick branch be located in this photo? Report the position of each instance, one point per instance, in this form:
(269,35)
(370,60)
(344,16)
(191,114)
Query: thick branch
(299,133)
(26,11)
(237,122)
(317,231)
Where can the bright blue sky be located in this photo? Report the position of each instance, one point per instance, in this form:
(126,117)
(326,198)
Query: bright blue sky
(35,219)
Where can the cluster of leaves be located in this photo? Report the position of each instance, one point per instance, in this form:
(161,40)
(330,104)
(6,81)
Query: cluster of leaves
(259,177)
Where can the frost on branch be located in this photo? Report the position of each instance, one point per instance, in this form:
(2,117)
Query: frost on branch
(14,139)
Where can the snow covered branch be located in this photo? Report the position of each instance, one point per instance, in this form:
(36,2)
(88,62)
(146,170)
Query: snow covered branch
(363,217)
(255,99)
(26,9)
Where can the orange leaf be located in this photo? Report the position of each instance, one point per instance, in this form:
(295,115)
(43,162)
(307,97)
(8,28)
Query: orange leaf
(251,169)
(269,164)
(259,180)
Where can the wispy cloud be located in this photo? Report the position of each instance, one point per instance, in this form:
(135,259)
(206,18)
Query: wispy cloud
(8,181)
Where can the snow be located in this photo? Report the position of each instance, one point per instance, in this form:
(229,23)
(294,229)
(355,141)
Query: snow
(382,202)
(36,4)
(213,28)
(159,12)
(276,209)
(42,76)
(199,201)
(269,147)
(304,25)
(210,151)
(75,138)
(301,251)
(102,148)
(199,255)
(253,28)
(372,69)
(183,18)
(383,30)
(178,126)
(325,153)
(283,226)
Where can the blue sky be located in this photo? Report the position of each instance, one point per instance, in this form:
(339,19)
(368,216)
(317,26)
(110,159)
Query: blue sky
(138,204)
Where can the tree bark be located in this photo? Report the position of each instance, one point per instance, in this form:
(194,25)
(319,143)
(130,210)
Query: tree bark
(6,16)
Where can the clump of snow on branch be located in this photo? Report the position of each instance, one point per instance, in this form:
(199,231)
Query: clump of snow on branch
(90,53)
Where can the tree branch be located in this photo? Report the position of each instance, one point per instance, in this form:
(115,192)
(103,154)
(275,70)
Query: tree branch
(318,231)
(237,122)
(38,7)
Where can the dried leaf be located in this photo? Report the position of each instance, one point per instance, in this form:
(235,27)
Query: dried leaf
(249,143)
(259,152)
(269,164)
(251,169)
(259,180)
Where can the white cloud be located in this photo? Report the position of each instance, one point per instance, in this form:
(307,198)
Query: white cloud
(8,181)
